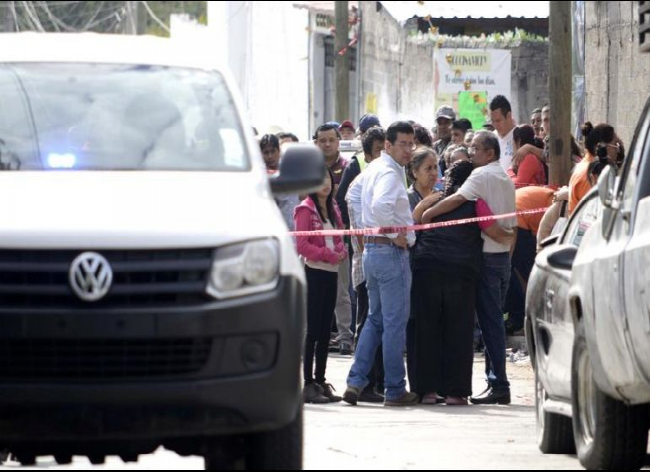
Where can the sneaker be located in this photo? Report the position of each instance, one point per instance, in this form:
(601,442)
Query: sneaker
(351,395)
(408,399)
(370,396)
(345,349)
(313,393)
(328,392)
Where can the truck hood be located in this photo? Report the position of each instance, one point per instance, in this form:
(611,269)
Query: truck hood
(135,210)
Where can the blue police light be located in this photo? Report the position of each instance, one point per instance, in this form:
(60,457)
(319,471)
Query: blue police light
(61,161)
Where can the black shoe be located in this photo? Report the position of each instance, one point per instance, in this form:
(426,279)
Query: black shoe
(345,349)
(313,393)
(370,396)
(492,396)
(334,346)
(328,392)
(351,395)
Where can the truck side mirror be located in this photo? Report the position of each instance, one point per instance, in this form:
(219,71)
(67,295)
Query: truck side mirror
(302,170)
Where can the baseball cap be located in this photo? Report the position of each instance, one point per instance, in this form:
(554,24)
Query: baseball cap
(346,124)
(368,121)
(446,111)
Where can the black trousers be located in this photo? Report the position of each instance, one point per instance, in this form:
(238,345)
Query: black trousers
(441,333)
(523,261)
(376,375)
(321,302)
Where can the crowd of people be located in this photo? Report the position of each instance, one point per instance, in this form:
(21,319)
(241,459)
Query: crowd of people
(425,293)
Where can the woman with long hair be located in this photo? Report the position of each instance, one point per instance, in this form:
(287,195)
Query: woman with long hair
(322,256)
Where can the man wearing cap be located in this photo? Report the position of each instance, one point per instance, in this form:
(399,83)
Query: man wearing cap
(347,130)
(445,116)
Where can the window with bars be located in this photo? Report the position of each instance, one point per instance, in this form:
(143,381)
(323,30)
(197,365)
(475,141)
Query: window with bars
(330,54)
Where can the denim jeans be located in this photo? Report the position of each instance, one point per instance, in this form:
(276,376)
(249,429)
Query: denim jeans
(388,276)
(491,296)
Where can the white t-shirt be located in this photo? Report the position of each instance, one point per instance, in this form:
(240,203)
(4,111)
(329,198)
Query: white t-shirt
(507,146)
(329,242)
(492,184)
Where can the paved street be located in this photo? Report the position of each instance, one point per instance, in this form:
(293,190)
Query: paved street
(341,437)
(430,437)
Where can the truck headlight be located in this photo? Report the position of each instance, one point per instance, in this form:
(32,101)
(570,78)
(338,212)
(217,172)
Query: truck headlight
(244,269)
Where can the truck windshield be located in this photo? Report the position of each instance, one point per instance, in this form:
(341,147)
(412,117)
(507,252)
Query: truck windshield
(117,117)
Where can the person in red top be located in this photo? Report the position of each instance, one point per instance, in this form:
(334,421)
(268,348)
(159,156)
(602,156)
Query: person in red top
(322,256)
(531,171)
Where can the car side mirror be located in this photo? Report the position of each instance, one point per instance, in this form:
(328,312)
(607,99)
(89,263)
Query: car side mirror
(606,186)
(563,258)
(302,170)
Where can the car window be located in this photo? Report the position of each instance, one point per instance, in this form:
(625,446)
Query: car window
(581,221)
(633,164)
(117,117)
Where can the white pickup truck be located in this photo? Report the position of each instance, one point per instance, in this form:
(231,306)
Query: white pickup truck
(149,291)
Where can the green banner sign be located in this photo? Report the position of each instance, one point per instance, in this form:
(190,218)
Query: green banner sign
(473,106)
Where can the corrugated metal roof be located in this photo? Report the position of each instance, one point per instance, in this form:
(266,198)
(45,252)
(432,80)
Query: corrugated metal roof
(403,10)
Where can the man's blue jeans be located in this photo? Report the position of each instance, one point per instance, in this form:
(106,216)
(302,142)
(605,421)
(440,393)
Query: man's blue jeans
(492,291)
(388,277)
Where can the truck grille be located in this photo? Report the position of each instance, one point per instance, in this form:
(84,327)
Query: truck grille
(40,279)
(56,359)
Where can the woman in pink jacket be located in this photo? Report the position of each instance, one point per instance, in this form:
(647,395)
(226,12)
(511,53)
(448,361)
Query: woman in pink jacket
(322,256)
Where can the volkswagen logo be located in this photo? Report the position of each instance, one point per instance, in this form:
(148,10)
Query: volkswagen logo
(91,276)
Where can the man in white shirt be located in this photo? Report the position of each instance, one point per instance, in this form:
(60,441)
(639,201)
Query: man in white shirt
(504,125)
(388,273)
(490,183)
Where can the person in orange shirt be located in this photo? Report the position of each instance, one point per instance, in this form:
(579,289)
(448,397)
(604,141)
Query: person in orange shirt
(523,257)
(603,136)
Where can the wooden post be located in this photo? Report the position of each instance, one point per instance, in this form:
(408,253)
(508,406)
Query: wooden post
(342,62)
(560,92)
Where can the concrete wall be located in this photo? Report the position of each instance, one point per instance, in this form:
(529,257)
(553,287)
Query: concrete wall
(529,79)
(400,71)
(617,74)
(400,74)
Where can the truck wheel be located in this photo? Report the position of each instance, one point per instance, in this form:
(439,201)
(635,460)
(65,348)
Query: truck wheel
(273,450)
(608,433)
(554,432)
